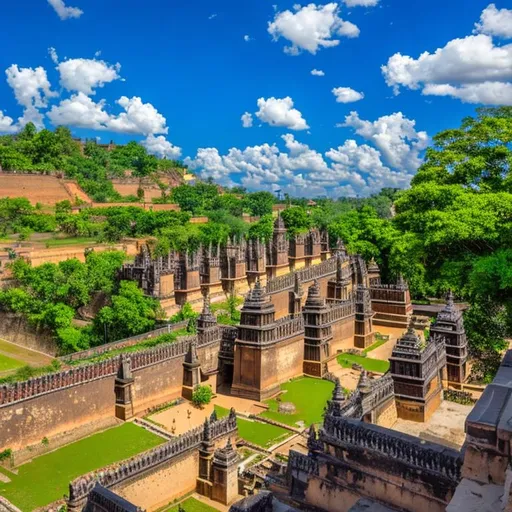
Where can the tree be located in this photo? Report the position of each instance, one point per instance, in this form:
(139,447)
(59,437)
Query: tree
(202,395)
(297,220)
(259,203)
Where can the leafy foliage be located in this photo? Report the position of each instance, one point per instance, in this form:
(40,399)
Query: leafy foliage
(202,395)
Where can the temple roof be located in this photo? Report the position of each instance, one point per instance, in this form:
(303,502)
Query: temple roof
(450,313)
(314,299)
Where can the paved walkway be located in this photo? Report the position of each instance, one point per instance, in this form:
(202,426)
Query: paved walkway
(181,418)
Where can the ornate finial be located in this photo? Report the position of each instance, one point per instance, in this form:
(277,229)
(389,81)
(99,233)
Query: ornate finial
(364,384)
(213,416)
(232,414)
(206,302)
(314,444)
(298,286)
(206,430)
(337,394)
(449,299)
(229,445)
(192,357)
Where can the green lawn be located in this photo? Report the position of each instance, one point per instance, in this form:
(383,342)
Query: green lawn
(372,365)
(46,478)
(309,397)
(377,344)
(63,242)
(192,505)
(8,363)
(262,434)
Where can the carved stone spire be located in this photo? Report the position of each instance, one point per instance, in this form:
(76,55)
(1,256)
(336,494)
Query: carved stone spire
(314,299)
(314,444)
(337,394)
(297,288)
(206,431)
(206,318)
(340,248)
(364,384)
(192,357)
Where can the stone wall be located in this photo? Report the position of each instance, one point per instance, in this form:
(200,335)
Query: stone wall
(155,477)
(16,329)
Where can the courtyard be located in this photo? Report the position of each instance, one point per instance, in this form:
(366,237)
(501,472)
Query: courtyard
(46,479)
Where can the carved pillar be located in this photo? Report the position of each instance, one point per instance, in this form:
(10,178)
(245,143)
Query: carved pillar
(206,452)
(123,389)
(191,371)
(364,334)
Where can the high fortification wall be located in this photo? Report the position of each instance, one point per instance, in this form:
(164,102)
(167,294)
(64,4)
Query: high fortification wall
(49,405)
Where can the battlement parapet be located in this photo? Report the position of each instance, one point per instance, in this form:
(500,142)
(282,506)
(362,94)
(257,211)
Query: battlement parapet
(288,326)
(114,475)
(281,283)
(430,457)
(300,462)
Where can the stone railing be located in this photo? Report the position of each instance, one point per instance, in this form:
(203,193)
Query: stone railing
(382,389)
(389,292)
(227,344)
(126,342)
(114,475)
(18,391)
(209,337)
(300,462)
(340,310)
(287,327)
(409,450)
(305,275)
(11,393)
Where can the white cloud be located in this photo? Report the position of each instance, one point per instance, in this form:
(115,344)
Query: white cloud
(84,75)
(299,170)
(7,124)
(65,12)
(472,68)
(53,55)
(395,136)
(31,90)
(361,3)
(311,27)
(161,147)
(347,95)
(141,118)
(495,22)
(80,111)
(247,120)
(97,54)
(247,38)
(280,112)
(212,16)
(317,72)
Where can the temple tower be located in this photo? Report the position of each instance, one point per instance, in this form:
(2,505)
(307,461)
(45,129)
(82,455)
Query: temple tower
(338,402)
(211,271)
(187,277)
(449,326)
(297,256)
(416,368)
(256,262)
(325,252)
(225,474)
(234,267)
(364,335)
(255,335)
(318,333)
(341,288)
(277,261)
(313,248)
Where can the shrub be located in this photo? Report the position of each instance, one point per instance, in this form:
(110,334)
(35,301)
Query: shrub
(6,454)
(202,395)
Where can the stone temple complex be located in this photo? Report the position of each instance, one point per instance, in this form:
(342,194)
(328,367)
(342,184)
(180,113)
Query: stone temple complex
(305,303)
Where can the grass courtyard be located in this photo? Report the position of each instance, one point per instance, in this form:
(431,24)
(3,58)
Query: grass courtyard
(369,364)
(261,434)
(309,397)
(46,478)
(192,505)
(8,363)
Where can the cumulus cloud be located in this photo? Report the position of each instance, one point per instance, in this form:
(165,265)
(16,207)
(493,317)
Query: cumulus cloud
(495,22)
(84,75)
(247,38)
(65,12)
(80,111)
(361,3)
(298,169)
(311,28)
(7,124)
(347,95)
(161,147)
(395,136)
(138,118)
(317,72)
(53,55)
(472,68)
(32,90)
(280,112)
(247,120)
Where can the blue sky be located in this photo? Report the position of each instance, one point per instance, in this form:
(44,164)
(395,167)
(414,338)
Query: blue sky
(179,76)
